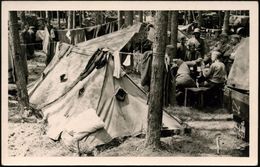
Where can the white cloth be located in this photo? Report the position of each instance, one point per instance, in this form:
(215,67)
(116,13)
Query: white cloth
(117,65)
(68,35)
(127,61)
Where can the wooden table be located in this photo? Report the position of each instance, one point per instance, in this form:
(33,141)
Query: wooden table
(199,91)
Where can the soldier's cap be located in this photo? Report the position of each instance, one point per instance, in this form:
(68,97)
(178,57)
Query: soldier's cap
(196,30)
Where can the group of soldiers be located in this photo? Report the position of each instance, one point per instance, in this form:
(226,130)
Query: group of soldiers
(198,65)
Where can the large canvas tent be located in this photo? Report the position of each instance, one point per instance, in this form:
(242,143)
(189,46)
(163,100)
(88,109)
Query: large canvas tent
(87,98)
(239,74)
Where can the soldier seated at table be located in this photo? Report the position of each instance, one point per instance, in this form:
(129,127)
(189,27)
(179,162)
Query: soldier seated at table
(215,76)
(183,79)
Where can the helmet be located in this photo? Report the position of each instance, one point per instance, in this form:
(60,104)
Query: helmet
(196,30)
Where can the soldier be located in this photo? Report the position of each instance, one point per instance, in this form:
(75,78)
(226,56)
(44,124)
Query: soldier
(199,43)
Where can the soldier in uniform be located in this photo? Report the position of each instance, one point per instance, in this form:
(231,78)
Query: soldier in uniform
(199,43)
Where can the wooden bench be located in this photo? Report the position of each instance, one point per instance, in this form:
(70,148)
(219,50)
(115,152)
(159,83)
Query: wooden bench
(199,92)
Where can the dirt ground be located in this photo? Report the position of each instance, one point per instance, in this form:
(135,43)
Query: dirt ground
(27,139)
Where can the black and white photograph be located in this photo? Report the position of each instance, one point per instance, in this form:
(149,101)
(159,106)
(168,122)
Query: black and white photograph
(120,82)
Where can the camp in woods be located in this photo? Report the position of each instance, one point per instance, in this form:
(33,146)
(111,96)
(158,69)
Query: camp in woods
(128,83)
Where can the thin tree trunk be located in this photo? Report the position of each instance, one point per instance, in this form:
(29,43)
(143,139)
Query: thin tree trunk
(70,21)
(99,18)
(174,33)
(58,19)
(47,15)
(80,18)
(169,21)
(23,19)
(19,62)
(41,14)
(200,19)
(120,19)
(140,13)
(174,41)
(226,23)
(74,19)
(51,16)
(129,17)
(219,19)
(189,17)
(156,87)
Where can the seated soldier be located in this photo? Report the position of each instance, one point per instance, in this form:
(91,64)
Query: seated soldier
(183,77)
(190,56)
(215,75)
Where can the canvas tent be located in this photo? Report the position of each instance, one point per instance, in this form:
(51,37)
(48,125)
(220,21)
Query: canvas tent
(238,77)
(84,99)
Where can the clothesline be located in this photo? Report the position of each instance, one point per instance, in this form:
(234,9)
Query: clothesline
(23,44)
(88,27)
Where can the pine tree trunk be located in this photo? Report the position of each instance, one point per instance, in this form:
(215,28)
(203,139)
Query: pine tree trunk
(156,88)
(169,21)
(70,20)
(41,14)
(58,19)
(74,19)
(129,17)
(200,19)
(226,23)
(23,19)
(47,15)
(80,18)
(99,18)
(174,41)
(219,19)
(174,33)
(120,19)
(189,17)
(19,62)
(140,13)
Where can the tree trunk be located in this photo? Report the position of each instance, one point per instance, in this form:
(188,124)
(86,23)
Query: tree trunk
(140,13)
(70,20)
(41,14)
(99,18)
(219,19)
(51,16)
(19,62)
(47,15)
(58,19)
(226,23)
(174,33)
(189,17)
(80,18)
(156,88)
(200,19)
(120,19)
(74,19)
(174,41)
(169,21)
(23,19)
(129,17)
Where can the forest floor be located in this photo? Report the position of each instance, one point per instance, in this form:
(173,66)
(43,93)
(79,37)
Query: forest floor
(26,139)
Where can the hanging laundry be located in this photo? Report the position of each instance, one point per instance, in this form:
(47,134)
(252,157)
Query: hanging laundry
(127,61)
(117,65)
(69,36)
